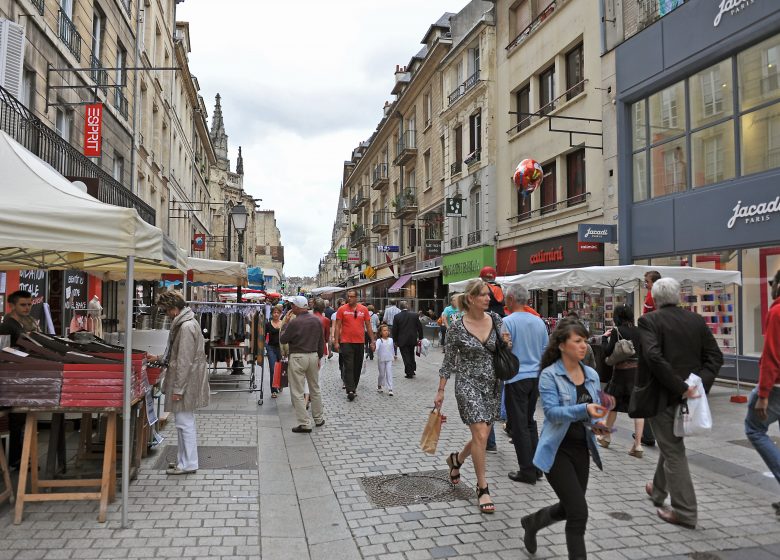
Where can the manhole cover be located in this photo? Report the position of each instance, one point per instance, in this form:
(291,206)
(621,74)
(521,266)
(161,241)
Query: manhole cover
(704,556)
(413,488)
(620,515)
(214,457)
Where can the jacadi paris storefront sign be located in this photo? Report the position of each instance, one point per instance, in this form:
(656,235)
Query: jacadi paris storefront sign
(466,264)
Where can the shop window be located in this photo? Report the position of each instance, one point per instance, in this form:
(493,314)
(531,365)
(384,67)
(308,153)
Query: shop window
(639,124)
(523,103)
(547,91)
(711,94)
(759,80)
(547,196)
(640,176)
(575,72)
(760,138)
(575,171)
(667,113)
(713,154)
(758,267)
(523,206)
(668,168)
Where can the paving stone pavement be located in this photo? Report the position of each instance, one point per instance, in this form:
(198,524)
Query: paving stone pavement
(305,500)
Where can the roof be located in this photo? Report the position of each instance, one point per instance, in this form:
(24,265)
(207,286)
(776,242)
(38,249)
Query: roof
(442,23)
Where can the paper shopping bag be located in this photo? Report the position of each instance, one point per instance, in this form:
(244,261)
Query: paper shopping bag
(430,435)
(284,382)
(277,380)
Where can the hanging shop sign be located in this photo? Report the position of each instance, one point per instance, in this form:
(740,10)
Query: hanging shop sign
(558,252)
(388,248)
(75,289)
(588,247)
(199,242)
(432,248)
(597,233)
(466,264)
(354,256)
(343,254)
(93,124)
(454,208)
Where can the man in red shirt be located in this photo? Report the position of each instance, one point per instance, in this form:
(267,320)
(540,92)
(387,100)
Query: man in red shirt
(352,322)
(764,402)
(650,278)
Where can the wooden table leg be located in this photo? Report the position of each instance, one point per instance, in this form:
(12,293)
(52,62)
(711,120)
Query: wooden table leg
(8,492)
(34,489)
(108,482)
(29,427)
(56,440)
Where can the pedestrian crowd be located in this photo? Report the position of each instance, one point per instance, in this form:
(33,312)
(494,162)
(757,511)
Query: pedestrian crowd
(651,361)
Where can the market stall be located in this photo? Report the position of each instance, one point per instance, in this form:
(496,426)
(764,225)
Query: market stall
(66,228)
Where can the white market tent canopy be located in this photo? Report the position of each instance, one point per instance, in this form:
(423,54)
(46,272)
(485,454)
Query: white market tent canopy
(625,277)
(327,290)
(460,286)
(218,272)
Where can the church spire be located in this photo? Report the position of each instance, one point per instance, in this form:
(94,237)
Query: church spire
(218,136)
(240,163)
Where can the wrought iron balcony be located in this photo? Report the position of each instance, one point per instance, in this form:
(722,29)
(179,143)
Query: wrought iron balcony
(455,95)
(456,242)
(380,221)
(379,176)
(474,237)
(39,4)
(456,168)
(473,157)
(461,90)
(128,5)
(359,200)
(406,203)
(69,35)
(33,134)
(407,147)
(358,236)
(120,102)
(99,76)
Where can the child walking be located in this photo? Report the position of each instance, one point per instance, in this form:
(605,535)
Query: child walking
(385,354)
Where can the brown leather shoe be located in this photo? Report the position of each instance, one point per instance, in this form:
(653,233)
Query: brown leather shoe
(670,516)
(649,491)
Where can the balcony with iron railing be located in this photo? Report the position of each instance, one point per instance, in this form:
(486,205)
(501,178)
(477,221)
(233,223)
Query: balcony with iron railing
(379,177)
(39,5)
(99,76)
(526,32)
(474,238)
(358,236)
(380,221)
(456,167)
(359,200)
(473,158)
(456,242)
(27,129)
(68,34)
(524,120)
(120,102)
(406,203)
(551,207)
(128,6)
(407,147)
(463,88)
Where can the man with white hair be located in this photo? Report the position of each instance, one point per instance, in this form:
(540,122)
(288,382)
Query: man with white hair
(675,343)
(529,339)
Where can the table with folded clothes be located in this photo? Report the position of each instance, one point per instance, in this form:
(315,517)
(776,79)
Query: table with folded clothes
(51,375)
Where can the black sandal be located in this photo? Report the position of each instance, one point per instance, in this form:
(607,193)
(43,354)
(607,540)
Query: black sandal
(487,507)
(454,465)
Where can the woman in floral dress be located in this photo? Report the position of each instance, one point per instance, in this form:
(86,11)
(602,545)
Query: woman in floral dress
(470,344)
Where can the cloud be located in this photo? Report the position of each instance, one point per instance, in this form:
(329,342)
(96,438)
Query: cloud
(302,83)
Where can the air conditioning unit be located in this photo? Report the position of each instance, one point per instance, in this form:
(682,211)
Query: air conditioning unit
(11,57)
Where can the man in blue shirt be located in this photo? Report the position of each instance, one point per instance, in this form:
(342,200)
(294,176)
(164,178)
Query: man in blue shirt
(529,339)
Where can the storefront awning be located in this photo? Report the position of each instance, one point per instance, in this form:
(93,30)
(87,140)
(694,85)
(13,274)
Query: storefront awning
(429,273)
(400,283)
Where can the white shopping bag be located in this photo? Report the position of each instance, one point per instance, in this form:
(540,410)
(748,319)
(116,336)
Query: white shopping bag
(425,346)
(693,417)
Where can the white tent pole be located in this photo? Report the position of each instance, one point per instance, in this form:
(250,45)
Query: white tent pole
(126,444)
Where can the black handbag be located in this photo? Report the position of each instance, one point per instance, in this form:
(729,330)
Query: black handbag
(505,363)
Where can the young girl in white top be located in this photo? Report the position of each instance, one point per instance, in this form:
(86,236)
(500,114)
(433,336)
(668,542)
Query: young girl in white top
(385,354)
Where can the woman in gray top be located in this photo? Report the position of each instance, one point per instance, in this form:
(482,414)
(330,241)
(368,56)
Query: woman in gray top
(468,354)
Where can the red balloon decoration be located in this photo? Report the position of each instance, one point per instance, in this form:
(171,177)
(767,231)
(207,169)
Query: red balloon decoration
(528,176)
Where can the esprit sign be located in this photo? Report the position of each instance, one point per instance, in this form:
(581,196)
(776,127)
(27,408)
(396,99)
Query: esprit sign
(93,123)
(754,213)
(730,7)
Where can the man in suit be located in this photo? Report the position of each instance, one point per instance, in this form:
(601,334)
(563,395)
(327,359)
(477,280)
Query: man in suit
(407,332)
(675,343)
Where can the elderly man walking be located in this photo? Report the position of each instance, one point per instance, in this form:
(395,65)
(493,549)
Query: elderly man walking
(390,312)
(304,335)
(675,343)
(407,331)
(529,339)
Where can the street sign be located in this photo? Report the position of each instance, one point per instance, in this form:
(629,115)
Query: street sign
(354,256)
(199,242)
(454,207)
(388,248)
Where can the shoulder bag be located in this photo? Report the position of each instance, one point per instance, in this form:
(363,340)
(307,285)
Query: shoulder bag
(624,350)
(505,363)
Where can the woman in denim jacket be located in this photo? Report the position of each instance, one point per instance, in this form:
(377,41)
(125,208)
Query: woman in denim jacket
(569,391)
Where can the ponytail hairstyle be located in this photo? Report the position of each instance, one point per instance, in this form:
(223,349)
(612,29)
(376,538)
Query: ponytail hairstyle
(473,288)
(564,329)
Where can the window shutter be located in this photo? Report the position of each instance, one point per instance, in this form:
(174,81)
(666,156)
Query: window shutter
(11,57)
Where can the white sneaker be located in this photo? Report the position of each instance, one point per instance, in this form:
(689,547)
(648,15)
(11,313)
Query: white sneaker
(390,393)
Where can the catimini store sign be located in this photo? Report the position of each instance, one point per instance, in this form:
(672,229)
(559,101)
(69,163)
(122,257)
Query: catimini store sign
(552,255)
(730,7)
(753,213)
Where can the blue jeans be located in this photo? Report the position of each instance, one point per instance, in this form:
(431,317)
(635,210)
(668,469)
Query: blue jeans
(274,355)
(491,442)
(756,430)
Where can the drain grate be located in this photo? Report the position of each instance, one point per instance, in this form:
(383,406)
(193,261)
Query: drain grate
(620,515)
(413,488)
(214,457)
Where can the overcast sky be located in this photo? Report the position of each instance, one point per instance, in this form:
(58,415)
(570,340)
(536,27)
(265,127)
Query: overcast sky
(302,83)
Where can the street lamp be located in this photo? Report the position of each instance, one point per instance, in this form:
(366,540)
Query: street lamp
(239,217)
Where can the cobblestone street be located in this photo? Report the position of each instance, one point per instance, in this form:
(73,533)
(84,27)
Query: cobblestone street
(305,498)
